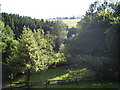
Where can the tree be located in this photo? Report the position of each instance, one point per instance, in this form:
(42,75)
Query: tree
(27,59)
(73,17)
(59,29)
(71,32)
(98,36)
(9,46)
(7,32)
(46,43)
(34,53)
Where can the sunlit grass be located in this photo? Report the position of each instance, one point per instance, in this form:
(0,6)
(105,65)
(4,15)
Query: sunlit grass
(21,79)
(63,73)
(48,74)
(69,22)
(72,74)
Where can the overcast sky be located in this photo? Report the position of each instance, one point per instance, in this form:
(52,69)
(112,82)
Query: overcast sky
(46,8)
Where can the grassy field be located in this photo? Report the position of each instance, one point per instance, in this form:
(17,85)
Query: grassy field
(69,22)
(66,73)
(88,85)
(62,73)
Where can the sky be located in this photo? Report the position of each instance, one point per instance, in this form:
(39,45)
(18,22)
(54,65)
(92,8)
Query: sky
(46,8)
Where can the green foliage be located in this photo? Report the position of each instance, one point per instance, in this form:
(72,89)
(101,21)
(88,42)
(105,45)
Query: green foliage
(7,32)
(34,53)
(17,22)
(59,30)
(46,45)
(94,30)
(28,56)
(3,46)
(9,47)
(97,39)
(102,66)
(72,31)
(1,25)
(95,63)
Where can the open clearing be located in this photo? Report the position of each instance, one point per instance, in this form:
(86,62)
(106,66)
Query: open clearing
(69,22)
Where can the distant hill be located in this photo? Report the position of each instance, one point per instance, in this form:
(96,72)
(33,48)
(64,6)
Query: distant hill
(70,22)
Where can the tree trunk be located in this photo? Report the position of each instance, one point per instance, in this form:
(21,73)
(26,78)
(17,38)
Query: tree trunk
(99,76)
(27,78)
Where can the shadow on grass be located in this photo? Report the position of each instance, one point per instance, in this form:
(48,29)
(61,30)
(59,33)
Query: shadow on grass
(69,74)
(88,85)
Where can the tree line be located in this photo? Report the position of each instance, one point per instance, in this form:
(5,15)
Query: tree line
(17,23)
(73,17)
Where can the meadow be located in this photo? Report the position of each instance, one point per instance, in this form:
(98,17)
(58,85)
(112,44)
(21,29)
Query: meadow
(69,74)
(65,73)
(70,22)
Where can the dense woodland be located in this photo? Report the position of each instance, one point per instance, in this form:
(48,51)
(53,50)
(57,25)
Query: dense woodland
(32,45)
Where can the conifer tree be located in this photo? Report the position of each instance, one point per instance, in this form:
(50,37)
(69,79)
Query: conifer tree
(27,59)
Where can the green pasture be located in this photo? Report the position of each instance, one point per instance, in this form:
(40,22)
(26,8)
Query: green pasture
(69,22)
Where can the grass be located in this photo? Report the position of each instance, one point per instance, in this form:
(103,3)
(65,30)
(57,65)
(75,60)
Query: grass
(72,74)
(88,85)
(62,73)
(70,22)
(48,74)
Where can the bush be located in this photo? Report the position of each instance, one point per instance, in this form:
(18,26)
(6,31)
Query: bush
(102,66)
